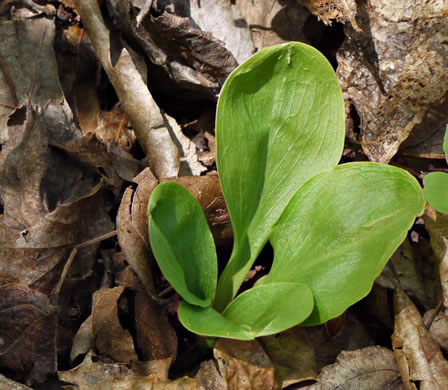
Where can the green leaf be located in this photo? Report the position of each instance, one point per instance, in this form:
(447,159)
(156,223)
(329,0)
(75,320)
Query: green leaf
(260,311)
(206,321)
(182,243)
(436,190)
(280,121)
(340,229)
(445,144)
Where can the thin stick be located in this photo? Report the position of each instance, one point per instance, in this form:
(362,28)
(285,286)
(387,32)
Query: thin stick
(10,83)
(96,239)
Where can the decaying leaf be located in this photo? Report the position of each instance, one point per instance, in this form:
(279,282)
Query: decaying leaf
(96,374)
(209,377)
(6,383)
(155,338)
(330,10)
(419,358)
(438,329)
(193,59)
(437,225)
(292,356)
(110,337)
(244,365)
(139,106)
(273,22)
(392,70)
(133,242)
(28,326)
(351,336)
(83,341)
(225,22)
(372,368)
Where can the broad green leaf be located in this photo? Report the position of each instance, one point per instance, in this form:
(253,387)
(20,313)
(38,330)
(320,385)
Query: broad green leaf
(445,144)
(182,243)
(271,308)
(206,321)
(340,229)
(436,190)
(280,121)
(260,311)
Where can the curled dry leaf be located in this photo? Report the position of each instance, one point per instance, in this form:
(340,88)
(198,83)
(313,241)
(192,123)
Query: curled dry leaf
(292,355)
(273,22)
(372,368)
(109,336)
(193,59)
(437,225)
(132,231)
(438,328)
(395,81)
(418,356)
(137,103)
(83,341)
(155,338)
(28,326)
(95,374)
(244,365)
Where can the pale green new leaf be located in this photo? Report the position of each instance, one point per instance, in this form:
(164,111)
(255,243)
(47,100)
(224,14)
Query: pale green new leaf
(340,229)
(436,190)
(280,121)
(182,243)
(260,311)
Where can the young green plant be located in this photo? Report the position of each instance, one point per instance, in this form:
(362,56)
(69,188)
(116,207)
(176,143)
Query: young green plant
(280,134)
(436,184)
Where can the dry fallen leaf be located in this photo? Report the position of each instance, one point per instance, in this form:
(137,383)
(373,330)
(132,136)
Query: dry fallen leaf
(438,328)
(209,377)
(96,374)
(392,71)
(244,365)
(9,384)
(273,22)
(292,355)
(28,326)
(110,338)
(155,338)
(372,368)
(419,358)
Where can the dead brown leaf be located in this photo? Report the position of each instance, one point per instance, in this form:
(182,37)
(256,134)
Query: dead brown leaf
(94,373)
(110,337)
(9,384)
(292,355)
(28,326)
(244,365)
(155,338)
(419,358)
(372,368)
(351,336)
(273,22)
(438,328)
(392,71)
(437,225)
(209,377)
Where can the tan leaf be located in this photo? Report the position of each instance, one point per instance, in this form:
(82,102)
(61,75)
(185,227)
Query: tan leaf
(418,356)
(244,365)
(391,74)
(372,368)
(154,336)
(96,374)
(110,337)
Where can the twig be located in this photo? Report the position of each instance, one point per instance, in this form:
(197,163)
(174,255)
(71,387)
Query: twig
(10,83)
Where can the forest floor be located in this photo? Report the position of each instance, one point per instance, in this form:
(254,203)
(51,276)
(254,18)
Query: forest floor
(101,101)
